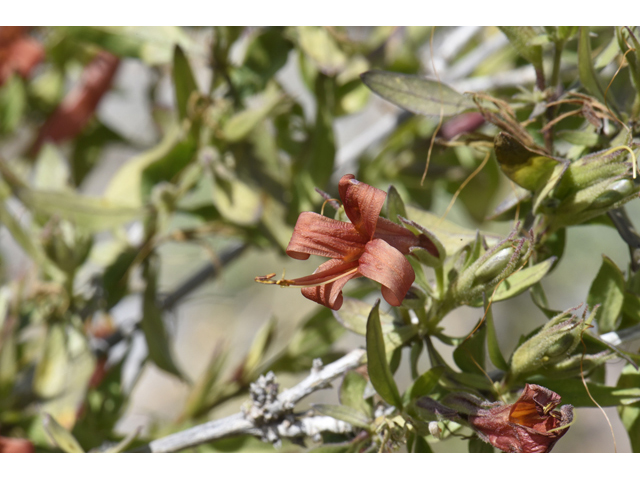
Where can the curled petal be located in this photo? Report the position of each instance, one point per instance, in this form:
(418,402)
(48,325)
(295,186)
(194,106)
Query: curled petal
(325,237)
(362,203)
(387,266)
(330,294)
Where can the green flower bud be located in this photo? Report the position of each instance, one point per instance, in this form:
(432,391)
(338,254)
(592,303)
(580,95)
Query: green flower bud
(494,265)
(614,192)
(574,365)
(551,345)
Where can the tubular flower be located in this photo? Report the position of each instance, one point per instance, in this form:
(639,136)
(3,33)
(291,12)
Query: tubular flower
(530,425)
(369,246)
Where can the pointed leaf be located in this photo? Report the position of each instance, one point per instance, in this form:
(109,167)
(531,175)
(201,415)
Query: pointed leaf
(260,345)
(352,393)
(425,383)
(242,123)
(152,325)
(630,414)
(184,81)
(470,354)
(607,289)
(572,391)
(521,39)
(378,368)
(395,205)
(587,73)
(417,94)
(60,436)
(493,347)
(125,442)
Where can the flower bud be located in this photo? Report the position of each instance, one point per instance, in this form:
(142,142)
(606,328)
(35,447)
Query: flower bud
(551,345)
(494,265)
(614,193)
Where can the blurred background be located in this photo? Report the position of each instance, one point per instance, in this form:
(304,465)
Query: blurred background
(170,164)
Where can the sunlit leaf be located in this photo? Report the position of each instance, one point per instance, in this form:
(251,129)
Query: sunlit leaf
(522,40)
(183,80)
(417,94)
(60,436)
(607,289)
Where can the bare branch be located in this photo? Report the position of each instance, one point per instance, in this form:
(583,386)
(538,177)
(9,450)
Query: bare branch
(269,418)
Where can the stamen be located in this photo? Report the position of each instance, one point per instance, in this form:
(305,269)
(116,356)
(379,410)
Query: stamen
(283,282)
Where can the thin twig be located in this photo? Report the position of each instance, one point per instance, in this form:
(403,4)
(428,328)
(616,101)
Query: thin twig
(282,423)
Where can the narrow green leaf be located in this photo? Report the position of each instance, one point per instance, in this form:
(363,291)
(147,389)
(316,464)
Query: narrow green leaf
(478,446)
(421,446)
(183,80)
(60,436)
(125,442)
(493,347)
(520,281)
(417,94)
(205,385)
(607,289)
(152,325)
(260,345)
(586,72)
(320,46)
(378,368)
(344,413)
(521,38)
(416,351)
(470,354)
(242,123)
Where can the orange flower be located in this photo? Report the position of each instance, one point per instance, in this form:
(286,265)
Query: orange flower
(18,52)
(77,108)
(369,246)
(530,425)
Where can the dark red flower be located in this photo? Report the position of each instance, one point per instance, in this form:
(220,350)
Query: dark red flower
(369,246)
(530,425)
(19,53)
(77,108)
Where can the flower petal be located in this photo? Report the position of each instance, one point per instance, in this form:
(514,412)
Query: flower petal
(386,265)
(318,235)
(362,203)
(330,294)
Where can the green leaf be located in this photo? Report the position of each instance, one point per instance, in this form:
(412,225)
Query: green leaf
(320,46)
(395,206)
(184,81)
(425,383)
(493,347)
(87,213)
(125,442)
(520,281)
(242,123)
(572,391)
(60,436)
(259,346)
(13,104)
(344,413)
(354,315)
(521,38)
(352,393)
(527,168)
(470,354)
(479,446)
(417,94)
(378,368)
(152,325)
(607,289)
(586,72)
(450,235)
(205,385)
(51,170)
(421,445)
(630,414)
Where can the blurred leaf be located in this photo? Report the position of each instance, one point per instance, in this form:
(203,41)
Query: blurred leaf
(421,445)
(206,383)
(260,345)
(152,325)
(320,46)
(607,289)
(630,414)
(235,200)
(266,55)
(88,148)
(242,123)
(60,436)
(87,213)
(425,383)
(115,279)
(344,413)
(527,168)
(572,391)
(184,81)
(378,368)
(8,349)
(520,281)
(13,103)
(470,354)
(125,442)
(586,71)
(352,393)
(49,377)
(51,170)
(355,314)
(521,39)
(478,446)
(417,94)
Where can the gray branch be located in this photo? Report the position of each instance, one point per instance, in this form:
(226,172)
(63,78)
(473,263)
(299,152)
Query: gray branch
(270,416)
